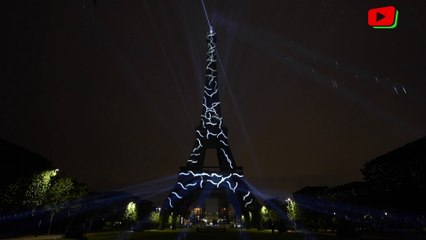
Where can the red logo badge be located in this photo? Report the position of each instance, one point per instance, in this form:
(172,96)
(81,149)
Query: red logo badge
(384,17)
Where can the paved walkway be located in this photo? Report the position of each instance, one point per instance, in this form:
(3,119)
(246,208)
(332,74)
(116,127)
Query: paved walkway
(40,237)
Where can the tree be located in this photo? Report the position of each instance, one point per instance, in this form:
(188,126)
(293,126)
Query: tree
(46,192)
(265,216)
(61,192)
(275,210)
(11,198)
(292,211)
(154,218)
(312,208)
(130,214)
(398,177)
(36,194)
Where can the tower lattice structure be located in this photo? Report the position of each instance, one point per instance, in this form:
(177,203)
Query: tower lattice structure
(196,181)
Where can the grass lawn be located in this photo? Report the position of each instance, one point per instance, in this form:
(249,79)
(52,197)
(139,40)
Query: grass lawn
(230,234)
(181,235)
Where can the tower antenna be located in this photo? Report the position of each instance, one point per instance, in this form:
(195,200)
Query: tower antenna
(205,13)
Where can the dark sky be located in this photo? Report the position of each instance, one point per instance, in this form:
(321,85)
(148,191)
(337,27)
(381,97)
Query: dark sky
(110,90)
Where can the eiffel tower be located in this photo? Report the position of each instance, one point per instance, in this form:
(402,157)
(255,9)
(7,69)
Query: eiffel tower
(197,182)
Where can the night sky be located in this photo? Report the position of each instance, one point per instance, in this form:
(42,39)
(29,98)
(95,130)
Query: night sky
(110,90)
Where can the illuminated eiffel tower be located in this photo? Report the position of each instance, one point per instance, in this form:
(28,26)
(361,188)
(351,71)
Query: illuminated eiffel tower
(197,182)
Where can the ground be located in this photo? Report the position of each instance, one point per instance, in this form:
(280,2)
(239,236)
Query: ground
(233,234)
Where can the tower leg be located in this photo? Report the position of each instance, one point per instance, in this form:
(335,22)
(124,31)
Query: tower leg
(164,217)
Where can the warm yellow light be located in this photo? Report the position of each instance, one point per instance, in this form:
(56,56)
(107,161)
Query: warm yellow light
(264,210)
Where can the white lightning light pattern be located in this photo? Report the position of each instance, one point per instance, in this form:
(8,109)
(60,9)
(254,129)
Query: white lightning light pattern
(183,187)
(211,121)
(210,132)
(191,184)
(210,175)
(227,158)
(232,188)
(199,145)
(211,95)
(170,202)
(177,195)
(199,133)
(245,196)
(201,178)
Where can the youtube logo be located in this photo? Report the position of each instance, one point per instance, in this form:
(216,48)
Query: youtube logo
(383,17)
